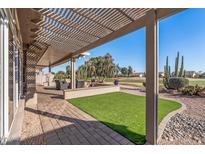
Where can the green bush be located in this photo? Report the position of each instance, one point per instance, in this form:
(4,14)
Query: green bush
(116,82)
(178,83)
(192,90)
(144,84)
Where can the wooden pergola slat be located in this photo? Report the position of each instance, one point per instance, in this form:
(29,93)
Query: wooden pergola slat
(65,25)
(81,29)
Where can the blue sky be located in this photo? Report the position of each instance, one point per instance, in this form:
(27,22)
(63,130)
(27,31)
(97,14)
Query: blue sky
(184,32)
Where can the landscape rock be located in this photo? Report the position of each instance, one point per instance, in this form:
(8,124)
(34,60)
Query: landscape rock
(182,128)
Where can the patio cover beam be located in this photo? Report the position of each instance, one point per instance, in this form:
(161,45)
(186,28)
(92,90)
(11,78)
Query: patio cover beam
(49,76)
(73,75)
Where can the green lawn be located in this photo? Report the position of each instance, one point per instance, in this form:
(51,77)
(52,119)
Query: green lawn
(200,82)
(133,80)
(124,113)
(109,80)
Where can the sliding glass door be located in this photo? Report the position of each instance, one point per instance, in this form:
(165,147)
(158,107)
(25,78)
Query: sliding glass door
(4,92)
(9,76)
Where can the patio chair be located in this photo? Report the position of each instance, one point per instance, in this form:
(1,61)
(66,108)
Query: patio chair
(80,83)
(61,84)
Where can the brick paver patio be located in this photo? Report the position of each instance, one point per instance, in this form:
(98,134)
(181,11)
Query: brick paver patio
(54,121)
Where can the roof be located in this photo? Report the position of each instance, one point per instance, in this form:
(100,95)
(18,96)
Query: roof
(57,34)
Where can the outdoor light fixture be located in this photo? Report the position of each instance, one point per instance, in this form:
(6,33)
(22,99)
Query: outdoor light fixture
(85,53)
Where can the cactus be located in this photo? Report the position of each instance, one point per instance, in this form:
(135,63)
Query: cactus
(167,71)
(176,73)
(184,74)
(181,73)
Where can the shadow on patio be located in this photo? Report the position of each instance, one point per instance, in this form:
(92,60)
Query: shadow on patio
(77,132)
(55,121)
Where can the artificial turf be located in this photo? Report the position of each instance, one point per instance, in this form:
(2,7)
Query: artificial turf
(123,112)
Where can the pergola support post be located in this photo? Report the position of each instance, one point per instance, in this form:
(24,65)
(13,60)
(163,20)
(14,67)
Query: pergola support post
(49,75)
(151,77)
(73,75)
(49,69)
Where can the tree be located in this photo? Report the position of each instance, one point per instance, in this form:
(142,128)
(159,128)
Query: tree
(117,70)
(124,71)
(202,75)
(108,65)
(81,72)
(60,75)
(100,67)
(68,71)
(130,70)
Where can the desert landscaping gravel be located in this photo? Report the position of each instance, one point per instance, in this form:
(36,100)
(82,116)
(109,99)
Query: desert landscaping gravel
(187,127)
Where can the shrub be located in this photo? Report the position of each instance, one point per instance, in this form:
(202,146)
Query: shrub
(178,83)
(192,90)
(116,82)
(144,84)
(166,82)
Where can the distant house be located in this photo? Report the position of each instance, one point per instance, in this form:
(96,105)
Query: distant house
(40,77)
(43,79)
(139,74)
(190,74)
(161,74)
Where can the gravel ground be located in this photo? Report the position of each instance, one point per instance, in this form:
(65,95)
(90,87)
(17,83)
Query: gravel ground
(188,127)
(183,129)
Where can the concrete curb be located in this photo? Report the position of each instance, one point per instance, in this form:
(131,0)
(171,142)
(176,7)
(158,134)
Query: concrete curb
(165,120)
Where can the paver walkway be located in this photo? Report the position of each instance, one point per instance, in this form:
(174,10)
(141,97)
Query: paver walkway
(55,121)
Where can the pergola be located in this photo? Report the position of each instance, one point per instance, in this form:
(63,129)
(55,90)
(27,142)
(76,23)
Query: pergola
(53,36)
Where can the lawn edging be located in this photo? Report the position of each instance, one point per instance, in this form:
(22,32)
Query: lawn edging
(165,120)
